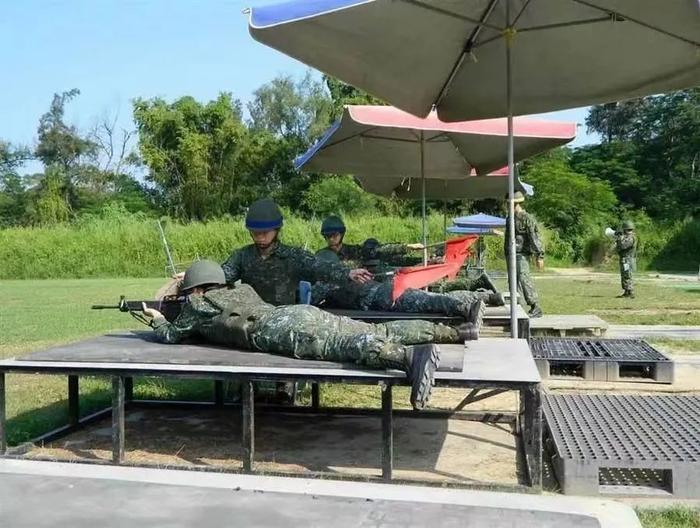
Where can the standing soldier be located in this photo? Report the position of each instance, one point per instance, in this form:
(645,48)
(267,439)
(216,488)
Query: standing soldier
(626,247)
(237,317)
(527,244)
(274,269)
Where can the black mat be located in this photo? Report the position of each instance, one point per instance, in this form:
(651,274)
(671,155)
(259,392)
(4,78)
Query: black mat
(141,347)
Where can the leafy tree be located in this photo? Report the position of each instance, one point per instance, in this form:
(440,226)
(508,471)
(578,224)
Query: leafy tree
(345,94)
(287,108)
(61,144)
(191,151)
(651,155)
(338,195)
(13,195)
(49,205)
(614,121)
(574,204)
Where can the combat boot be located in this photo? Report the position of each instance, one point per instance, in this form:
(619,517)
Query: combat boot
(496,299)
(422,363)
(467,332)
(476,313)
(483,282)
(535,311)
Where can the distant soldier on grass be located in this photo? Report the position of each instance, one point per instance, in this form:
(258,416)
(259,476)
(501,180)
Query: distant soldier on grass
(528,244)
(626,247)
(238,318)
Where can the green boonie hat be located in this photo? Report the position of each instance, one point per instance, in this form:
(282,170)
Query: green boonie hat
(627,225)
(332,224)
(203,272)
(518,197)
(263,215)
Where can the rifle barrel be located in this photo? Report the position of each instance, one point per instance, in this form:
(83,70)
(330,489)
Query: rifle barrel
(105,307)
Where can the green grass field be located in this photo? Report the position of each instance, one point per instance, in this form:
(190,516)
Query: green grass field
(37,313)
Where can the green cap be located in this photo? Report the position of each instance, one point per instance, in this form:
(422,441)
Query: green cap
(263,215)
(333,224)
(627,225)
(203,272)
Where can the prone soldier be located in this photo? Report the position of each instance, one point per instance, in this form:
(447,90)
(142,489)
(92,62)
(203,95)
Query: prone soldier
(370,254)
(237,317)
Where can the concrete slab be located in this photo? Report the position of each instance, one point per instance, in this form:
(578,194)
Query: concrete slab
(568,325)
(37,495)
(645,331)
(495,359)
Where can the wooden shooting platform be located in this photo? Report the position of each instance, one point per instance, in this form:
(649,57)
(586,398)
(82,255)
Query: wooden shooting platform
(488,367)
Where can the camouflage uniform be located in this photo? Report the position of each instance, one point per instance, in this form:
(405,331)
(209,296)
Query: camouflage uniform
(377,259)
(626,246)
(276,278)
(375,295)
(527,244)
(239,318)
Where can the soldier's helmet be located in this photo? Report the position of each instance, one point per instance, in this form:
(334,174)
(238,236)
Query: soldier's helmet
(201,273)
(263,215)
(332,224)
(627,225)
(369,249)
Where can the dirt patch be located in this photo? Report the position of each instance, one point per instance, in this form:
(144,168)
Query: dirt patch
(433,449)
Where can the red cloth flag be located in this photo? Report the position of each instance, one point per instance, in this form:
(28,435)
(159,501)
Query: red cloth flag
(456,252)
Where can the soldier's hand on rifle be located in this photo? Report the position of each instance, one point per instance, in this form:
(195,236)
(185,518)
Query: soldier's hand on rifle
(179,276)
(540,264)
(150,312)
(360,275)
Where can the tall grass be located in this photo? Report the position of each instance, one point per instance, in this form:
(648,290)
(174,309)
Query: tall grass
(118,244)
(130,246)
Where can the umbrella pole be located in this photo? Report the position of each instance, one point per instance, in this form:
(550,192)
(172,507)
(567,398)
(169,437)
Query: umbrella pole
(513,286)
(422,179)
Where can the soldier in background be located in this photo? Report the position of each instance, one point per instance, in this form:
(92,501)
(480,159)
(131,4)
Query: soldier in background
(527,244)
(238,318)
(369,254)
(274,269)
(626,247)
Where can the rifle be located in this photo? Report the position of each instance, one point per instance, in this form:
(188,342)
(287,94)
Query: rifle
(170,307)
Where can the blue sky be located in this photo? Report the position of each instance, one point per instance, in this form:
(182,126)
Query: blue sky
(114,51)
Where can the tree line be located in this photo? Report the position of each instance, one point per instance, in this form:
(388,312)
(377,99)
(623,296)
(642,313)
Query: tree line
(196,160)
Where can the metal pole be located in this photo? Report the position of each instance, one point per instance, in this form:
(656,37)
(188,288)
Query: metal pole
(73,401)
(513,286)
(3,416)
(423,214)
(387,432)
(117,420)
(171,264)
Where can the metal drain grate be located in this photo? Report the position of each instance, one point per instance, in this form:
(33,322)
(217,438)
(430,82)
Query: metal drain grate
(594,349)
(598,438)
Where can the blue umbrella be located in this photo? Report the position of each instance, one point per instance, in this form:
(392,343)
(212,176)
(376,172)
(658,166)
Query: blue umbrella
(479,221)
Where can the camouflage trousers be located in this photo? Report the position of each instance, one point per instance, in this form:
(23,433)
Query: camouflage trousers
(627,265)
(417,301)
(463,283)
(307,332)
(524,280)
